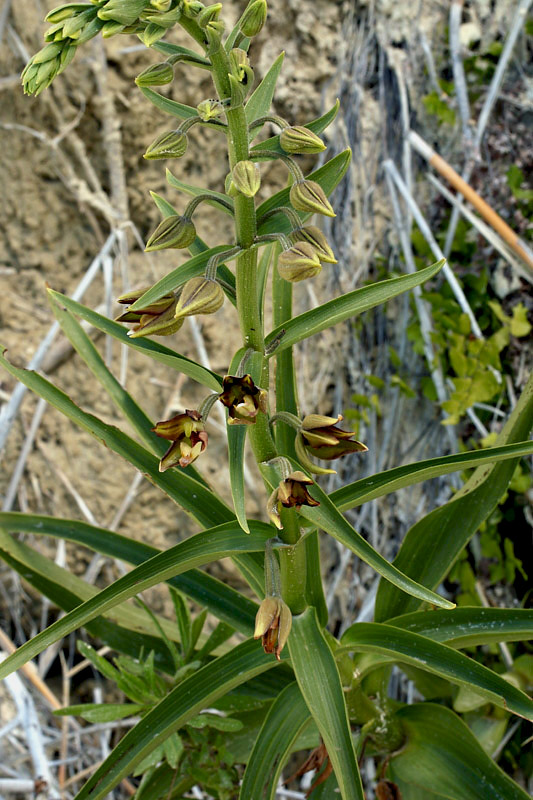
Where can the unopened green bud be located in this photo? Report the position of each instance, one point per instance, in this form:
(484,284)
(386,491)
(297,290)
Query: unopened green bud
(161,5)
(90,30)
(46,64)
(166,20)
(173,232)
(73,26)
(254,18)
(151,34)
(209,109)
(171,144)
(191,8)
(66,11)
(199,296)
(124,11)
(112,28)
(297,139)
(156,75)
(309,196)
(246,178)
(209,14)
(315,237)
(299,262)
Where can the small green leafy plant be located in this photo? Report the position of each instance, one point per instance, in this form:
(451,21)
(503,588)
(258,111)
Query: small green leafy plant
(228,716)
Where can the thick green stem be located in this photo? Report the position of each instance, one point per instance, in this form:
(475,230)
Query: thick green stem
(293,575)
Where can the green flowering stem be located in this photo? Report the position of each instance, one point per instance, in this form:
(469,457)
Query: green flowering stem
(292,564)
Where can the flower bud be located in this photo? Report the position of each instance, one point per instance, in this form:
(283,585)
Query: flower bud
(273,624)
(112,28)
(209,109)
(320,437)
(299,262)
(209,14)
(188,436)
(173,232)
(309,196)
(171,144)
(246,178)
(191,8)
(297,139)
(161,5)
(199,296)
(156,75)
(151,34)
(156,319)
(124,11)
(254,18)
(240,68)
(63,12)
(317,240)
(243,399)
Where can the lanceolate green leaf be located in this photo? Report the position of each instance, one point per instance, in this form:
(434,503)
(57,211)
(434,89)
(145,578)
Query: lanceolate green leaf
(347,306)
(174,108)
(317,126)
(163,206)
(329,519)
(442,760)
(189,493)
(224,602)
(190,269)
(202,548)
(261,99)
(320,684)
(434,543)
(199,691)
(422,652)
(361,491)
(469,626)
(159,352)
(286,719)
(194,191)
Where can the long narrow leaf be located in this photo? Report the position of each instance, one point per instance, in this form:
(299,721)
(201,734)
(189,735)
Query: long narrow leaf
(435,542)
(200,549)
(441,759)
(158,352)
(224,602)
(346,307)
(432,656)
(320,684)
(285,721)
(191,495)
(199,691)
(261,99)
(382,483)
(328,518)
(467,627)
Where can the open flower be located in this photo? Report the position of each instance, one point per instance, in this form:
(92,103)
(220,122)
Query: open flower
(291,493)
(273,625)
(188,436)
(243,399)
(320,437)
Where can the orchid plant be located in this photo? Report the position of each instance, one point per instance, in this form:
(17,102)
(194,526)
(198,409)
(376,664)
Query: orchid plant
(299,688)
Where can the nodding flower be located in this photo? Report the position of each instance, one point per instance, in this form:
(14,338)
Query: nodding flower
(273,624)
(292,492)
(188,436)
(243,399)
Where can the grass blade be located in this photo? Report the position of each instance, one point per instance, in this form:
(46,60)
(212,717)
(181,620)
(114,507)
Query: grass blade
(320,684)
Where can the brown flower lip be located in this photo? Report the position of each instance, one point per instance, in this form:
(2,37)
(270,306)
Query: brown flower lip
(292,492)
(243,399)
(188,437)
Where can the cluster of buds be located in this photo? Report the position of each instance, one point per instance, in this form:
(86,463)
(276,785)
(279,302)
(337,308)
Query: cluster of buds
(243,399)
(165,316)
(319,437)
(291,492)
(188,436)
(158,318)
